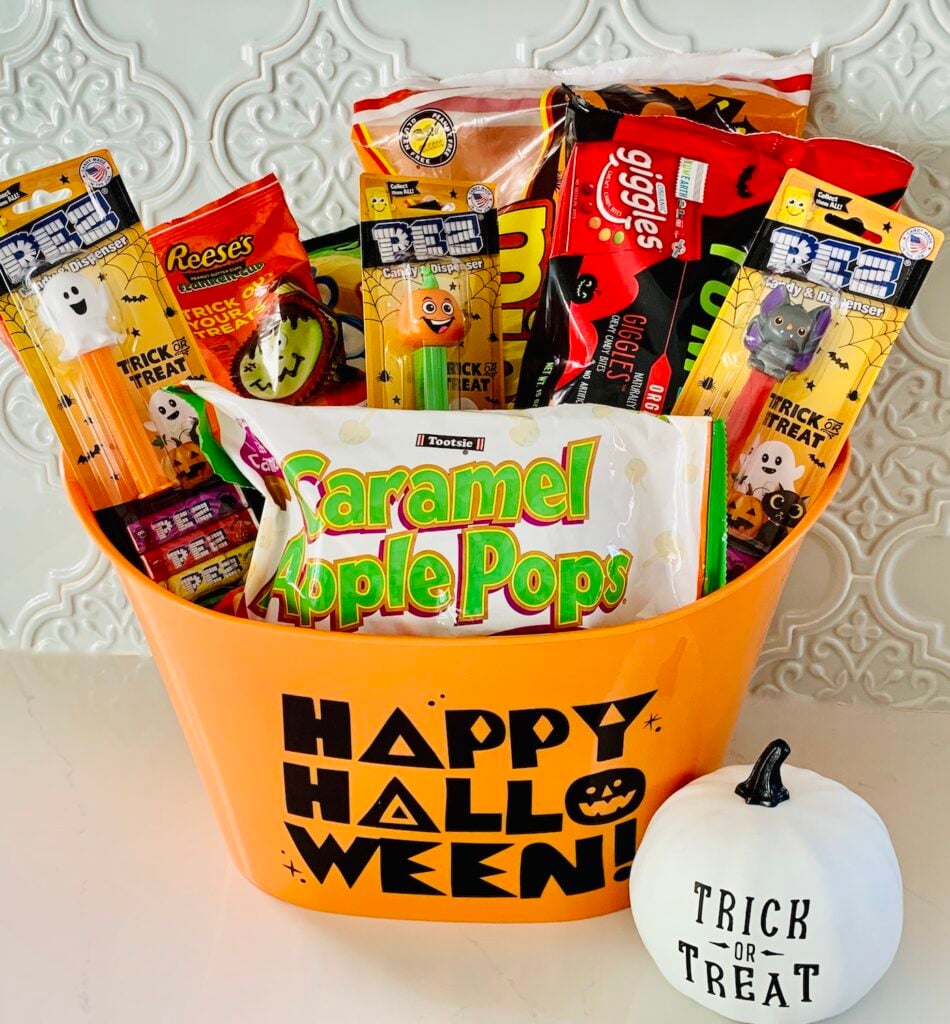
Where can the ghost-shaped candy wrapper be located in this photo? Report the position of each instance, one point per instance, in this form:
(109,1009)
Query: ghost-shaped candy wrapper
(78,309)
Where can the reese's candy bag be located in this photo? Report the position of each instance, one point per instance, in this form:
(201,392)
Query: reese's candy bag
(655,217)
(89,315)
(797,345)
(507,127)
(454,523)
(241,275)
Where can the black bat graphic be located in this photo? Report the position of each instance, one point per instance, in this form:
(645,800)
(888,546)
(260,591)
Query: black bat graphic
(90,455)
(134,298)
(817,461)
(742,185)
(843,363)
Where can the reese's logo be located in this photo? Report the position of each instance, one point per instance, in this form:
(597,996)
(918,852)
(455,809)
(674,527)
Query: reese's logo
(183,258)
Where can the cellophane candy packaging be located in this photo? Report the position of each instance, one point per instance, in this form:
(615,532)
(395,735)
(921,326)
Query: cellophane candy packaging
(241,275)
(655,217)
(797,345)
(507,127)
(431,281)
(89,315)
(454,523)
(337,272)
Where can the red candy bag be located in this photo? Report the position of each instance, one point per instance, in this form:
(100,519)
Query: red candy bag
(243,281)
(655,217)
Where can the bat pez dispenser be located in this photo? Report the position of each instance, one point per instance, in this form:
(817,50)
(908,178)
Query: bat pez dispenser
(782,339)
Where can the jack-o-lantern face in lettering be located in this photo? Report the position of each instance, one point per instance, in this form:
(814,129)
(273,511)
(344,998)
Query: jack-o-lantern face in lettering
(605,796)
(429,315)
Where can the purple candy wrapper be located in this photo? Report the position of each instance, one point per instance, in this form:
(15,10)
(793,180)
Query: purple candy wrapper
(184,516)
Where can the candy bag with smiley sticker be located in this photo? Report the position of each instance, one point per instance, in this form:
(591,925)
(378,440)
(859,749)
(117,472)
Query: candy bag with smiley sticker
(507,126)
(241,276)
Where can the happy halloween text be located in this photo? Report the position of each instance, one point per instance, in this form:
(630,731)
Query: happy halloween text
(428,768)
(481,500)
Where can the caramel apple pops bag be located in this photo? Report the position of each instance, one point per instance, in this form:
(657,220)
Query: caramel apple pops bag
(447,523)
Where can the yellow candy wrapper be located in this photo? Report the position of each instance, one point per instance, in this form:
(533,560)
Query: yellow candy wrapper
(85,304)
(797,345)
(431,286)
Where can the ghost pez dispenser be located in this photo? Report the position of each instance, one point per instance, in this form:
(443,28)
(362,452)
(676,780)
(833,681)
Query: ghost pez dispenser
(429,321)
(79,310)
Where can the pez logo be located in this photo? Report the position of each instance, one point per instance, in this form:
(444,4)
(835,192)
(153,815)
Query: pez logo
(83,222)
(428,238)
(835,263)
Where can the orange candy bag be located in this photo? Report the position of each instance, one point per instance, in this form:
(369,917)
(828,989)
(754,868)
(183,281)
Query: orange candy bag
(243,280)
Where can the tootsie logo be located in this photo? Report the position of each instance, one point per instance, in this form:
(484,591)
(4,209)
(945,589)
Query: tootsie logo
(468,444)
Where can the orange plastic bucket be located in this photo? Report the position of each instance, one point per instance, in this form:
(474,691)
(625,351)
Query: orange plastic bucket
(481,779)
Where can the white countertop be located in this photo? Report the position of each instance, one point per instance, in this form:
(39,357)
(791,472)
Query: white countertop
(119,903)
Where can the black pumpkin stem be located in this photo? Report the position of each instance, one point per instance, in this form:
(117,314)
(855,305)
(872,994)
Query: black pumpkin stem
(763,787)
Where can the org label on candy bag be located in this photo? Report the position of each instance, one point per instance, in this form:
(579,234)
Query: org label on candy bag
(453,523)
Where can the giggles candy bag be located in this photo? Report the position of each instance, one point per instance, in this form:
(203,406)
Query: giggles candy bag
(447,523)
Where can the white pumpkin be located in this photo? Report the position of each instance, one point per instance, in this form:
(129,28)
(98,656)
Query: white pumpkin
(765,903)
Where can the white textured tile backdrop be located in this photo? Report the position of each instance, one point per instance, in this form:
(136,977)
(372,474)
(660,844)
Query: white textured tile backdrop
(195,98)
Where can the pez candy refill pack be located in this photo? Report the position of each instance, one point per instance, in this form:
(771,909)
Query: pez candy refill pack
(453,523)
(654,219)
(507,127)
(431,281)
(797,345)
(90,317)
